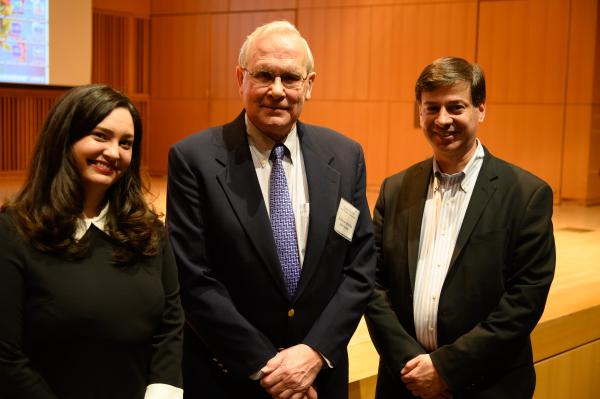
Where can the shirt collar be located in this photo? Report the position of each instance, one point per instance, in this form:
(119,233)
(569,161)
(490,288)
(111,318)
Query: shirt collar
(84,224)
(263,144)
(467,177)
(472,169)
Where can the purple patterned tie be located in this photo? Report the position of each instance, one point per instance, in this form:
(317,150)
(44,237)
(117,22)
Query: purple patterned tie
(282,221)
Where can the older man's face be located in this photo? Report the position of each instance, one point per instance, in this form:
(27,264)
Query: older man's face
(271,106)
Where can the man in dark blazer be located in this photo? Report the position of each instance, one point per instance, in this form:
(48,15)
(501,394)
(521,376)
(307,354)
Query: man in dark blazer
(465,256)
(253,331)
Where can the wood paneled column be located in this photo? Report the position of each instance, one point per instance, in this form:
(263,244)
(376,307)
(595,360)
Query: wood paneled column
(581,160)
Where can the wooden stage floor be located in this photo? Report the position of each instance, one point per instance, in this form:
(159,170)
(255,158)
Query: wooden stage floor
(567,339)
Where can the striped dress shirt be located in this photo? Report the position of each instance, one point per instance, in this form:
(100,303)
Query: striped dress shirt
(447,200)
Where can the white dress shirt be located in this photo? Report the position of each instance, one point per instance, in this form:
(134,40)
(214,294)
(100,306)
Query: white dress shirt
(293,166)
(447,200)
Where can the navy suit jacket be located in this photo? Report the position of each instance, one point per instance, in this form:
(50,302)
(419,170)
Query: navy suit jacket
(493,295)
(237,308)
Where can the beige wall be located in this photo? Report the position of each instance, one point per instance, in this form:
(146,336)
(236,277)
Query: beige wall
(70,28)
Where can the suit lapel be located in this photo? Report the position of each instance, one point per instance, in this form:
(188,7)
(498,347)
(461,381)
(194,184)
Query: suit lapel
(324,194)
(416,188)
(238,180)
(482,192)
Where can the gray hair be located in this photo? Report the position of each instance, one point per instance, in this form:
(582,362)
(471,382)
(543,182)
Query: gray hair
(275,26)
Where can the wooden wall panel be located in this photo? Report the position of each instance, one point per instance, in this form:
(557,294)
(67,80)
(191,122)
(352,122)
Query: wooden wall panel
(596,81)
(583,59)
(109,43)
(387,29)
(188,6)
(140,63)
(384,58)
(223,111)
(254,5)
(529,136)
(414,47)
(172,120)
(593,191)
(218,6)
(369,61)
(121,51)
(140,7)
(407,144)
(143,107)
(9,150)
(400,47)
(378,119)
(339,40)
(362,389)
(223,59)
(523,50)
(581,162)
(22,113)
(576,151)
(337,3)
(573,374)
(348,117)
(354,3)
(218,112)
(368,54)
(365,122)
(539,56)
(180,54)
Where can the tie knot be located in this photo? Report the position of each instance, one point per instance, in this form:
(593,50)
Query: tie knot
(277,152)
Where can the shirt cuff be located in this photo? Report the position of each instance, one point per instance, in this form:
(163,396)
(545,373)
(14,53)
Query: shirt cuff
(257,376)
(327,362)
(163,391)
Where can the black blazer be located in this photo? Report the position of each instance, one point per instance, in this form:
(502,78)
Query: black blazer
(238,312)
(494,292)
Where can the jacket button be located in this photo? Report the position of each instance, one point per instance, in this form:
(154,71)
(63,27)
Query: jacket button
(291,313)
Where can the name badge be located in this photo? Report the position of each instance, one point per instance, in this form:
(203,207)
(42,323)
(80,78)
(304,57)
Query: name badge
(345,220)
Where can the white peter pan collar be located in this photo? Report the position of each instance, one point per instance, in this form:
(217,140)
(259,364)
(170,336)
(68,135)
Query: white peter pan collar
(84,224)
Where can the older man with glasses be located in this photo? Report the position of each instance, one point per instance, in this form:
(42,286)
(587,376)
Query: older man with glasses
(272,234)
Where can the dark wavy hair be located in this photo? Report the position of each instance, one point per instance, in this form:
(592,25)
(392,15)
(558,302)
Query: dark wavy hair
(447,71)
(47,208)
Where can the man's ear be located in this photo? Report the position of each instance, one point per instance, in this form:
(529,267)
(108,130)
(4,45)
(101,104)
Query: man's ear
(239,73)
(481,109)
(310,80)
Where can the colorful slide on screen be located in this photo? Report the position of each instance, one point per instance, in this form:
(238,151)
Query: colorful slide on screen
(24,41)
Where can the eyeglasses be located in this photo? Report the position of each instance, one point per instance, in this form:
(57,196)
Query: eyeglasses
(290,80)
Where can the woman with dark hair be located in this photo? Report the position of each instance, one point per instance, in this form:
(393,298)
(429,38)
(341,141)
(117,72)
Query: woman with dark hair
(89,298)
